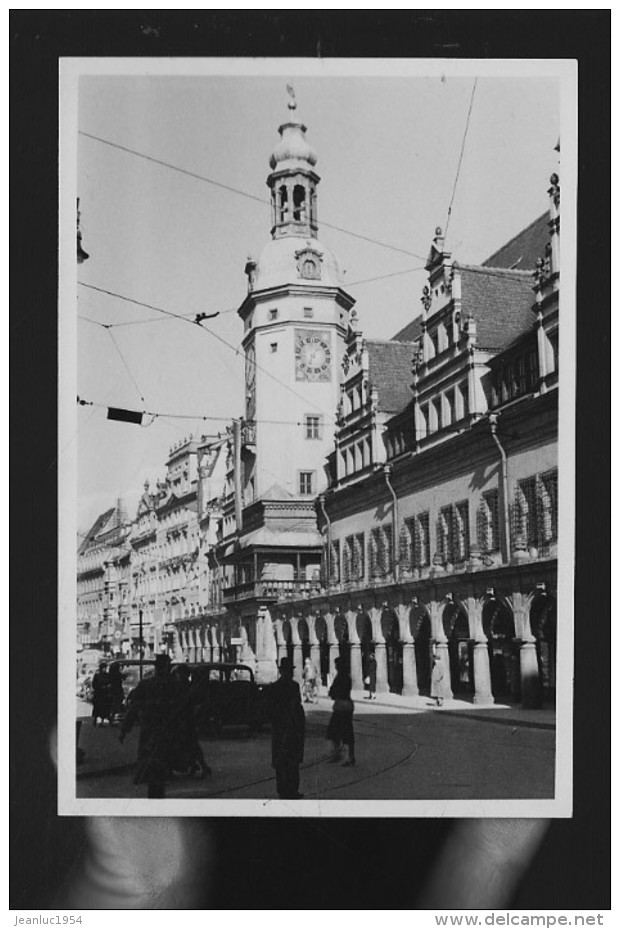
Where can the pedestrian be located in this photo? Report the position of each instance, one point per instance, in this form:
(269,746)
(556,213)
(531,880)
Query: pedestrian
(340,728)
(437,677)
(101,695)
(311,690)
(371,677)
(187,754)
(288,724)
(117,695)
(154,707)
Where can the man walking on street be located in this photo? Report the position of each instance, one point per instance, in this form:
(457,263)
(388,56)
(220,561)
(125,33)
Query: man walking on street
(288,723)
(154,707)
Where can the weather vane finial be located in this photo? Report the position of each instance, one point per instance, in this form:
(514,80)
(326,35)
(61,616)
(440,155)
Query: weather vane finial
(292,103)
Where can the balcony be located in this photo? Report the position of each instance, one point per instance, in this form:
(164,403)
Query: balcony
(270,589)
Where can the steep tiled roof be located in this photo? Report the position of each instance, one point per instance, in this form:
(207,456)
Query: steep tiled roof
(390,373)
(500,301)
(95,529)
(410,332)
(522,252)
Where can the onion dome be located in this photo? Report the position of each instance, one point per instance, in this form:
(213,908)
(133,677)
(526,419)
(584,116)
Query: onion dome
(292,145)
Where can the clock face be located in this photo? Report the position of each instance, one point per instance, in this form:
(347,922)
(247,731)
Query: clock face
(312,355)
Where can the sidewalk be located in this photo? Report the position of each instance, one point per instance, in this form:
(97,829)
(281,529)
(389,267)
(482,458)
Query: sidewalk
(544,718)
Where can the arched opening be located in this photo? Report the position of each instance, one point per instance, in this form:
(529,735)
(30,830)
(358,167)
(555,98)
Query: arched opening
(287,635)
(304,636)
(341,628)
(283,202)
(393,651)
(363,626)
(498,626)
(299,203)
(460,648)
(543,623)
(320,628)
(420,624)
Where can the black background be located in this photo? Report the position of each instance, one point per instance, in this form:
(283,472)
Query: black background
(341,864)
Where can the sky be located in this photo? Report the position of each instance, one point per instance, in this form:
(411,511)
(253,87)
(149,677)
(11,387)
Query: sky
(388,152)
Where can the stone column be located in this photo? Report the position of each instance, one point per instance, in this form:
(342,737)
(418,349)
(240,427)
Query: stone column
(410,670)
(357,677)
(298,661)
(380,651)
(482,673)
(440,647)
(531,690)
(216,651)
(266,652)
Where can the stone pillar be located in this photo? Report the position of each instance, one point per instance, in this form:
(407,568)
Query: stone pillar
(382,675)
(266,652)
(298,661)
(356,666)
(531,690)
(216,651)
(482,673)
(410,671)
(440,646)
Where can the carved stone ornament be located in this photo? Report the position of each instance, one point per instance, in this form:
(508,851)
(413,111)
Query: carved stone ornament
(426,298)
(309,263)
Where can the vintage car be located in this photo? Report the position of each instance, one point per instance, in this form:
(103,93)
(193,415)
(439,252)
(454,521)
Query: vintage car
(226,694)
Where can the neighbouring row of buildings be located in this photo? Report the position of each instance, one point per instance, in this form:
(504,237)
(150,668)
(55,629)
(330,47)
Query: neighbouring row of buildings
(398,496)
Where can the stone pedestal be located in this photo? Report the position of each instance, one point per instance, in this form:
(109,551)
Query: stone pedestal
(410,671)
(531,691)
(356,666)
(482,674)
(382,675)
(266,650)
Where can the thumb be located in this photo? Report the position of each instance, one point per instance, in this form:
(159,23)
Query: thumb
(144,863)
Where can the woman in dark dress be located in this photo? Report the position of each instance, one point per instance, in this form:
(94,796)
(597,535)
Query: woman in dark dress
(340,729)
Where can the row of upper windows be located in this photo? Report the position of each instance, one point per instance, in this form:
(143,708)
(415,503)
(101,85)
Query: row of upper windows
(534,523)
(444,410)
(356,457)
(274,313)
(514,378)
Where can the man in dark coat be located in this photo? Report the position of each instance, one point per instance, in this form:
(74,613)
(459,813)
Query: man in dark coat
(102,708)
(154,706)
(288,728)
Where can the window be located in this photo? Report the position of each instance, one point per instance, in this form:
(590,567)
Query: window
(453,533)
(435,408)
(423,422)
(308,312)
(273,314)
(449,408)
(273,347)
(380,555)
(353,558)
(416,553)
(313,425)
(462,408)
(535,510)
(334,562)
(488,522)
(306,483)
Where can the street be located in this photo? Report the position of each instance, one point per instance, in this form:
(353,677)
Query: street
(402,754)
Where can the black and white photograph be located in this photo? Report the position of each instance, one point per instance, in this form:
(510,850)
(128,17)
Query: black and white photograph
(324,543)
(310,603)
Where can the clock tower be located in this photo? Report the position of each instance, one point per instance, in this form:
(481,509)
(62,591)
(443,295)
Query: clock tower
(295,316)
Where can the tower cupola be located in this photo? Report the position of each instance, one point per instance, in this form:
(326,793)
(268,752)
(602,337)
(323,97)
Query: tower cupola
(292,180)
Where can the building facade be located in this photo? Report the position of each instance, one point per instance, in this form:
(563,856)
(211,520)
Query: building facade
(395,496)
